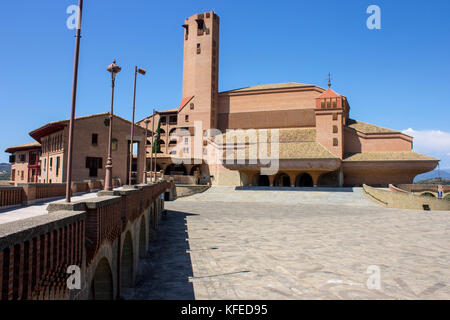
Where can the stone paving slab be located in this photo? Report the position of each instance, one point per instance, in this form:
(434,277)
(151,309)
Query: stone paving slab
(251,250)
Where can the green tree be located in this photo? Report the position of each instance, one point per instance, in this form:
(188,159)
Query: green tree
(156,144)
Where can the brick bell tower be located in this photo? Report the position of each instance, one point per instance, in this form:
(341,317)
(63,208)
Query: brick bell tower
(332,112)
(200,71)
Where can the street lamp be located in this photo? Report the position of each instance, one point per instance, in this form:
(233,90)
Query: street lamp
(145,166)
(72,108)
(114,69)
(143,72)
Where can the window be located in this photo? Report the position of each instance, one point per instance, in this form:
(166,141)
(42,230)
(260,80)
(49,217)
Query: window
(198,48)
(114,144)
(163,120)
(22,175)
(201,24)
(335,142)
(335,116)
(22,158)
(192,106)
(323,104)
(51,163)
(186,140)
(94,139)
(335,129)
(12,159)
(58,164)
(93,164)
(186,118)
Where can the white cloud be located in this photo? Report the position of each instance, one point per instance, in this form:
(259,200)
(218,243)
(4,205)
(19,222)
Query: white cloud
(430,141)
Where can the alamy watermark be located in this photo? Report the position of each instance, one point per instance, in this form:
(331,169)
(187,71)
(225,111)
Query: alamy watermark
(73,21)
(374,20)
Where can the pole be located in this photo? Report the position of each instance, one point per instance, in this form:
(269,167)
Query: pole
(132,128)
(72,108)
(108,167)
(156,151)
(151,154)
(145,165)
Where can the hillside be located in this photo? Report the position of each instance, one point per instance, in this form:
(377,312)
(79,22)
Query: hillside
(445,174)
(441,181)
(5,169)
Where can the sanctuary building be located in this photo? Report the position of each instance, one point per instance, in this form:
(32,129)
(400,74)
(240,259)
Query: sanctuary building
(318,143)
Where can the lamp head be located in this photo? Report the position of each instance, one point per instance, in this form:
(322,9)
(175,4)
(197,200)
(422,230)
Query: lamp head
(114,69)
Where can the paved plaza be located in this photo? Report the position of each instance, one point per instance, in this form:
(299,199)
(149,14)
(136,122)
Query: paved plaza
(261,249)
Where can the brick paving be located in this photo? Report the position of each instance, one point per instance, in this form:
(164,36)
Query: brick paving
(255,248)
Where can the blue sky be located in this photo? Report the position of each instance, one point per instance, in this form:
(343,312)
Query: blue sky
(397,77)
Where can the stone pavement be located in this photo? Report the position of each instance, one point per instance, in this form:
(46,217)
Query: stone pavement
(306,249)
(37,209)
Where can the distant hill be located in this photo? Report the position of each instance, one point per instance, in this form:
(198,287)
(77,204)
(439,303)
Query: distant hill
(445,174)
(444,182)
(5,169)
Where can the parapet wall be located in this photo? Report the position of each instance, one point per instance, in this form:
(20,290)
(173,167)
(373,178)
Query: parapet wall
(35,253)
(402,200)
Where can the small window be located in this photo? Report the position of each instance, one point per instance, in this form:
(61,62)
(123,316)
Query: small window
(198,48)
(22,175)
(335,116)
(186,118)
(335,142)
(186,140)
(335,129)
(58,164)
(22,158)
(12,159)
(328,104)
(323,104)
(191,106)
(51,163)
(335,104)
(114,144)
(94,139)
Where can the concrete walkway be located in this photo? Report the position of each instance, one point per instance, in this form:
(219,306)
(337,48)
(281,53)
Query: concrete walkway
(37,209)
(217,246)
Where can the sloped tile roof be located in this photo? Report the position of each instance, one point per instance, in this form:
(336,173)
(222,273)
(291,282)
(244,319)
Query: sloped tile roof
(25,146)
(271,86)
(368,128)
(388,156)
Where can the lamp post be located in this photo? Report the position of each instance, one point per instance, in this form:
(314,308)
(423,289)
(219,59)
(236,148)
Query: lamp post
(143,72)
(72,108)
(153,138)
(145,167)
(114,69)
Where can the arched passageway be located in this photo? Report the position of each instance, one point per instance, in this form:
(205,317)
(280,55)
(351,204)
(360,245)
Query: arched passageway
(282,180)
(304,180)
(142,239)
(329,179)
(102,284)
(261,180)
(428,194)
(126,263)
(176,169)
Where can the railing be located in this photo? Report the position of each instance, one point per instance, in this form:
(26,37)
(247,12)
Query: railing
(10,196)
(35,254)
(103,223)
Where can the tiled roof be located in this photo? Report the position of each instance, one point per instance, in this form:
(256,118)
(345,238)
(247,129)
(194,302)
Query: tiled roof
(298,143)
(368,128)
(329,94)
(272,86)
(388,156)
(24,146)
